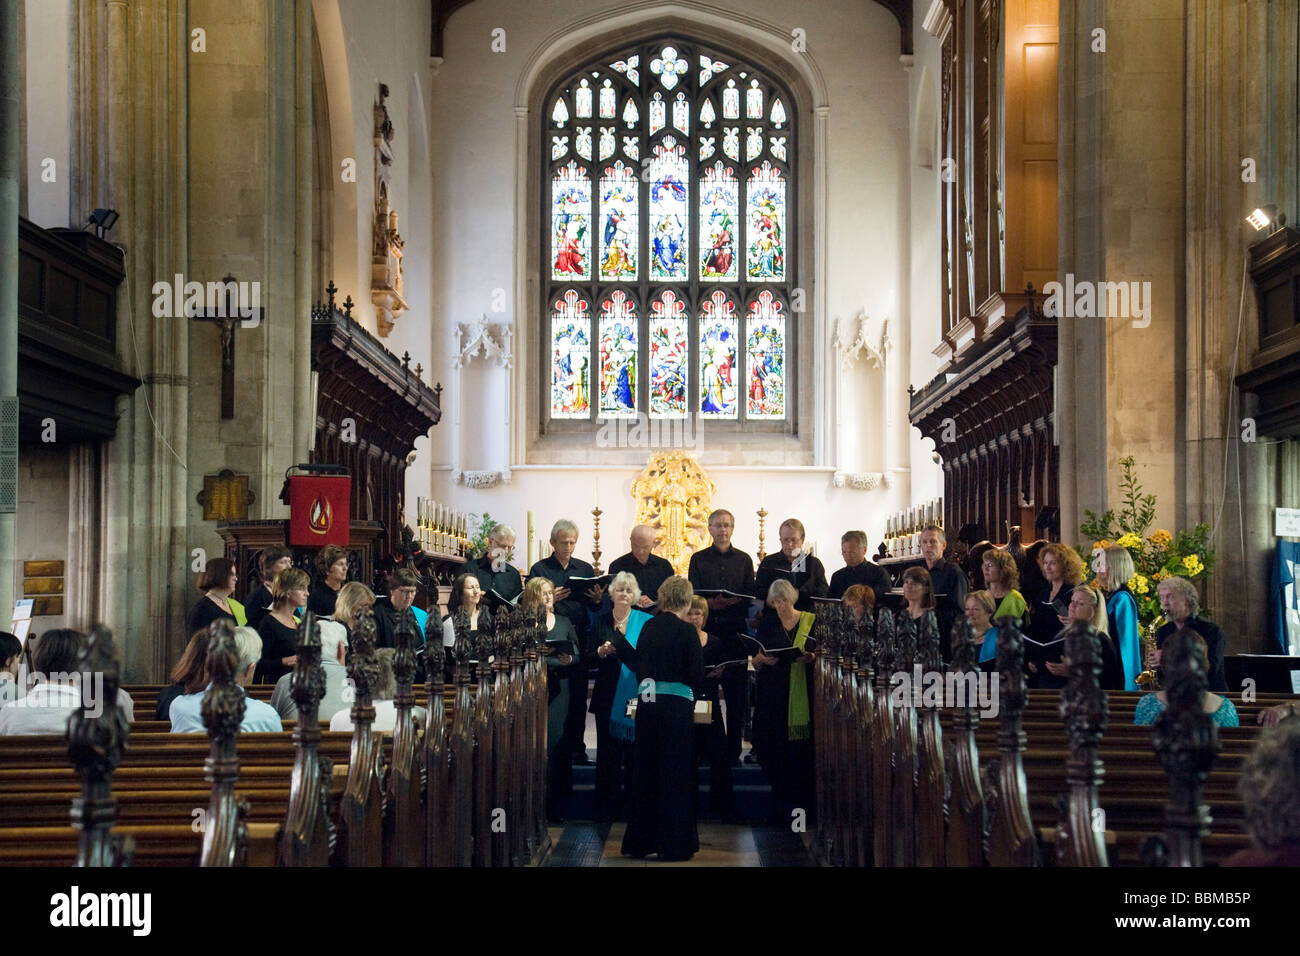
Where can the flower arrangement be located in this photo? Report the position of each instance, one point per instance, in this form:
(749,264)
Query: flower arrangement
(1156,556)
(478,545)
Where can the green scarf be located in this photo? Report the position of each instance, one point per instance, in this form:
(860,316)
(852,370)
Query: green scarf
(799,719)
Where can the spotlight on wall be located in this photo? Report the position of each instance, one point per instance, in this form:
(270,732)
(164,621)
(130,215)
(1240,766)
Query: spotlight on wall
(103,220)
(1262,217)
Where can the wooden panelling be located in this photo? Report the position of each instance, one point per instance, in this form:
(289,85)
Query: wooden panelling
(43,569)
(1040,93)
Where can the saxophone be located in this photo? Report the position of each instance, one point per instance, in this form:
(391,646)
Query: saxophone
(1148,679)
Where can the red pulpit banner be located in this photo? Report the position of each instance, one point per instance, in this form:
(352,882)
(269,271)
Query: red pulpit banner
(319,512)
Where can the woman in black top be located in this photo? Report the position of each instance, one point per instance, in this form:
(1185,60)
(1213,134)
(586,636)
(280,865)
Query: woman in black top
(257,604)
(279,630)
(810,578)
(332,562)
(1063,571)
(668,663)
(218,584)
(711,738)
(613,755)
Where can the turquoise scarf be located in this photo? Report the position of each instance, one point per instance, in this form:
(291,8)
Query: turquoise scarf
(621,725)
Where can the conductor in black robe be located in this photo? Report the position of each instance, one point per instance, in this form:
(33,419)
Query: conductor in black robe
(648,568)
(857,569)
(722,567)
(668,663)
(804,571)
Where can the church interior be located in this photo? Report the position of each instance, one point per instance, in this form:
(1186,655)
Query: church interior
(443,347)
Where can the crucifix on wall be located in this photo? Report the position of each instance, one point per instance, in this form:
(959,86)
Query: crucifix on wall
(231,311)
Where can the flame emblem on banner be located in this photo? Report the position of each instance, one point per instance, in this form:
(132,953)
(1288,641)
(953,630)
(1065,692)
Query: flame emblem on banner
(321,515)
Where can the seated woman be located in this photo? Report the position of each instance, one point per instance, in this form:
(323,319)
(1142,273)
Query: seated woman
(217,584)
(615,731)
(1087,607)
(58,690)
(332,564)
(979,611)
(859,599)
(279,629)
(668,663)
(186,711)
(189,676)
(381,696)
(720,653)
(562,647)
(353,598)
(1270,794)
(782,716)
(1220,709)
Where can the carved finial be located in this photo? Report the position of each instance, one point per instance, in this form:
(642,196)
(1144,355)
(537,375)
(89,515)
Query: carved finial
(404,658)
(964,657)
(307,685)
(347,307)
(437,392)
(1011,668)
(928,643)
(329,292)
(406,359)
(419,370)
(904,641)
(461,645)
(223,703)
(1084,706)
(884,657)
(363,665)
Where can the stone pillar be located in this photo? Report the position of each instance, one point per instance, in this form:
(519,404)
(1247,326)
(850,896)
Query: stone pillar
(9,177)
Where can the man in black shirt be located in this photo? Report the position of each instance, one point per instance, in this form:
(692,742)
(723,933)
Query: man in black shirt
(558,569)
(649,569)
(857,569)
(724,567)
(493,570)
(946,578)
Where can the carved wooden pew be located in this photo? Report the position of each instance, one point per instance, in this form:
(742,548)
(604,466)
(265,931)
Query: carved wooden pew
(361,825)
(306,837)
(404,825)
(967,817)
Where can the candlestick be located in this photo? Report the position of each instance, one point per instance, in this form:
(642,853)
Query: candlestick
(595,539)
(762,546)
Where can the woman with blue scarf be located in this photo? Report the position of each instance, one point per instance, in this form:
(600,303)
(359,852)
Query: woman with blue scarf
(615,685)
(668,663)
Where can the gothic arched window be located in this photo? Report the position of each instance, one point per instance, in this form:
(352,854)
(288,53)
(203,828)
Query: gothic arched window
(667,238)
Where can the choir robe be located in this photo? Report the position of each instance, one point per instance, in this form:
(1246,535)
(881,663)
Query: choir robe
(733,570)
(257,605)
(810,583)
(506,582)
(1122,612)
(787,763)
(1045,625)
(662,816)
(648,576)
(321,600)
(872,575)
(574,607)
(613,756)
(278,642)
(711,738)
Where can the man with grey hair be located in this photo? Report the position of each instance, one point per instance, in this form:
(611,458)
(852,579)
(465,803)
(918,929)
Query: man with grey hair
(493,569)
(1181,604)
(648,568)
(333,653)
(558,568)
(857,569)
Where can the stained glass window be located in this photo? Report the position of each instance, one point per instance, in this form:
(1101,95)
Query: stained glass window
(675,235)
(618,354)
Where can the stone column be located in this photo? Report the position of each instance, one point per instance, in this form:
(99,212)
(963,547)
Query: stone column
(9,177)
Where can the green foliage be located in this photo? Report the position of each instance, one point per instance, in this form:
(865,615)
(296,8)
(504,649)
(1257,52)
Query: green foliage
(478,545)
(1138,512)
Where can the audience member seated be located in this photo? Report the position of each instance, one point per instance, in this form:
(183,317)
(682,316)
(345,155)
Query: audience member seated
(333,653)
(11,659)
(1270,797)
(279,629)
(332,563)
(381,696)
(189,676)
(1181,604)
(1219,708)
(354,598)
(217,584)
(259,717)
(58,690)
(273,560)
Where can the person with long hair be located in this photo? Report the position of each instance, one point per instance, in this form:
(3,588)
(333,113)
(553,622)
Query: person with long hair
(1115,569)
(918,592)
(273,560)
(669,664)
(279,629)
(1062,572)
(980,607)
(1087,607)
(189,676)
(218,585)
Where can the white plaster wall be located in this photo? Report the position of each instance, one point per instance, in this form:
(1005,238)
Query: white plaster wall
(48,112)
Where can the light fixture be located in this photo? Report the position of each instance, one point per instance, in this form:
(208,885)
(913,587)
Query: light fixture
(1262,217)
(103,220)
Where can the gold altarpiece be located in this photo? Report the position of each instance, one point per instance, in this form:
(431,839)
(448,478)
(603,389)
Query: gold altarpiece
(674,496)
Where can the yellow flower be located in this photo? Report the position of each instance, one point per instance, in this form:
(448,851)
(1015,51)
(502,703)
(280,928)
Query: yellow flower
(1138,584)
(1159,576)
(1193,565)
(1129,540)
(1161,538)
(1101,545)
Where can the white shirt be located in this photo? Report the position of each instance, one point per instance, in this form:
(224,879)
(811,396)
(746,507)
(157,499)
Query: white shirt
(385,717)
(47,707)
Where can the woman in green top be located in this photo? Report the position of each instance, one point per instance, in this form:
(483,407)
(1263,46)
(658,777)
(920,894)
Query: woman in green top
(1002,577)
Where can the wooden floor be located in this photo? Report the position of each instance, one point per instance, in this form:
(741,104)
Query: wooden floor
(721,844)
